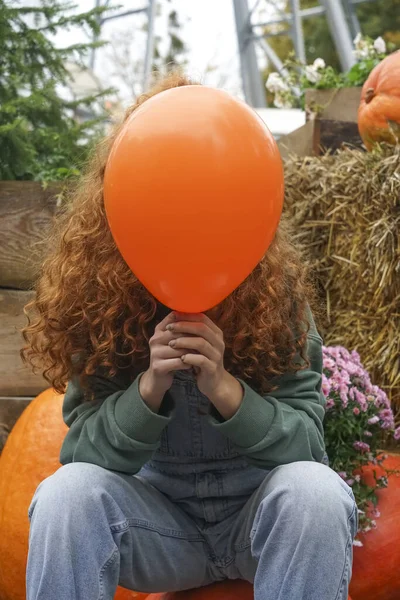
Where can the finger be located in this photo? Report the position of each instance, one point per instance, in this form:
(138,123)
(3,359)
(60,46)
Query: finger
(166,352)
(199,318)
(199,344)
(170,318)
(163,367)
(198,361)
(211,324)
(198,329)
(163,338)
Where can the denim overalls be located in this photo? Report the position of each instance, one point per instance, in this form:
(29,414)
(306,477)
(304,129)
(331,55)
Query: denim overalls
(196,466)
(197,513)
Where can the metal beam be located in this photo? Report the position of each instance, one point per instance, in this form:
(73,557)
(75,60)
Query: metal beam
(276,61)
(265,36)
(251,77)
(148,60)
(353,19)
(340,32)
(305,13)
(126,13)
(272,56)
(252,10)
(297,31)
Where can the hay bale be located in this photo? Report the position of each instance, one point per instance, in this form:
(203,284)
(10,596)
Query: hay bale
(345,211)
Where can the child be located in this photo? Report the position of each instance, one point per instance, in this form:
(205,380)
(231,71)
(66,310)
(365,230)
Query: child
(195,444)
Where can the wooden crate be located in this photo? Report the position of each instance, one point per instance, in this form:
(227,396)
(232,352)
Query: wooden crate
(331,122)
(10,410)
(15,378)
(26,213)
(299,142)
(329,134)
(316,137)
(335,105)
(18,385)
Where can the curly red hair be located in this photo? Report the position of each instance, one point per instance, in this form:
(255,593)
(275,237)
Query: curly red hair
(91,311)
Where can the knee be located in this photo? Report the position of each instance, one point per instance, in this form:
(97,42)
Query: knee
(313,489)
(72,488)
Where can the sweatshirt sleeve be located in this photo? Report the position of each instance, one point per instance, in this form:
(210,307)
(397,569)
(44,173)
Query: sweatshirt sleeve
(116,430)
(286,425)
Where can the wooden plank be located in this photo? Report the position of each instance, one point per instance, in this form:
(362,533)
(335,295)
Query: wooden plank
(331,135)
(10,410)
(16,379)
(26,212)
(16,398)
(337,104)
(299,142)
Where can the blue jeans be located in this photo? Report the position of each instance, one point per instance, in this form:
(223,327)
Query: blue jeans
(92,528)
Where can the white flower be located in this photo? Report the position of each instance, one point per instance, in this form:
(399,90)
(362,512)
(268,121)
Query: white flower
(380,46)
(357,40)
(365,49)
(373,420)
(361,53)
(276,84)
(312,74)
(357,543)
(282,101)
(319,63)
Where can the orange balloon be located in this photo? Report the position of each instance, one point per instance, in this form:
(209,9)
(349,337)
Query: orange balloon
(193,192)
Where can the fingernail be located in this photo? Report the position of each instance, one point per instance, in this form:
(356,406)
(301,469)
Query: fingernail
(183,358)
(172,343)
(170,327)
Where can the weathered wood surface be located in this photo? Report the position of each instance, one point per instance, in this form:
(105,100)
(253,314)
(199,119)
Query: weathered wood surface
(16,379)
(337,104)
(299,142)
(26,212)
(318,136)
(10,410)
(331,135)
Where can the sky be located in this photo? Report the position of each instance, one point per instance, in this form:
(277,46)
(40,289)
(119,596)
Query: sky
(208,29)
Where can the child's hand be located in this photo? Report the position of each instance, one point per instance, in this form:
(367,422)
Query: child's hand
(164,360)
(201,344)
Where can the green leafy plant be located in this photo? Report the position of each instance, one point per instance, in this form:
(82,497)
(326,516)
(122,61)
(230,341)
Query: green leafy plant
(358,417)
(42,132)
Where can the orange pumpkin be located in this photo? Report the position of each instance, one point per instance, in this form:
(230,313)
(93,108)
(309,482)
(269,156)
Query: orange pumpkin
(381,546)
(379,110)
(124,594)
(29,456)
(226,590)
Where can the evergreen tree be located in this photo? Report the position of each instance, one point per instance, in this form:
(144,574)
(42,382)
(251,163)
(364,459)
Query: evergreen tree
(40,138)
